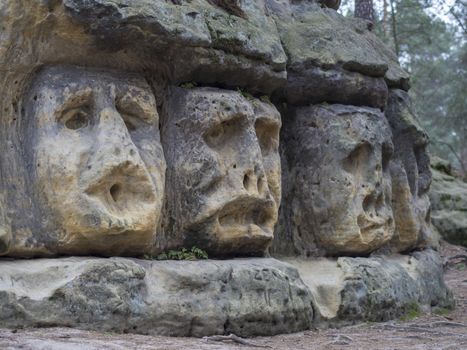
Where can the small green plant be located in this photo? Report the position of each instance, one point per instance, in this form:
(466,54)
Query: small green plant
(441,311)
(194,253)
(245,94)
(460,267)
(189,85)
(413,311)
(266,99)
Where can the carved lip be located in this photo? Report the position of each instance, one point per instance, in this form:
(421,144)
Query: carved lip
(247,211)
(367,224)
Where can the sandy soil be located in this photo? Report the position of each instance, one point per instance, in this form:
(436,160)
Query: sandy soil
(446,331)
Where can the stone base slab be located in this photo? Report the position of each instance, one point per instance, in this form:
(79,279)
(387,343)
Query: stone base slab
(246,297)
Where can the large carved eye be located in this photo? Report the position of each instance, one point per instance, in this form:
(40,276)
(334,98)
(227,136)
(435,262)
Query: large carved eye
(76,118)
(215,135)
(267,133)
(220,134)
(357,161)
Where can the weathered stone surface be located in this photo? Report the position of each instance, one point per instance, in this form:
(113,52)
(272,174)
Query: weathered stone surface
(223,188)
(448,197)
(83,172)
(90,141)
(245,297)
(193,39)
(347,290)
(5,228)
(332,58)
(338,199)
(411,175)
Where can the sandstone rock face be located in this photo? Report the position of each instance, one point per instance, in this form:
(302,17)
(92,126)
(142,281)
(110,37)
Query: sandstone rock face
(346,290)
(223,170)
(411,176)
(96,162)
(333,59)
(245,297)
(132,128)
(340,191)
(449,207)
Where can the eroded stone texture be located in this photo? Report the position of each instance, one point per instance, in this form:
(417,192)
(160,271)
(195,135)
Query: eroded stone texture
(333,58)
(188,298)
(346,290)
(206,41)
(5,228)
(339,195)
(223,187)
(91,142)
(411,175)
(448,196)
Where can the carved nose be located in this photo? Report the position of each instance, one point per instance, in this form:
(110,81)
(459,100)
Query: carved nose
(114,144)
(373,202)
(254,181)
(115,170)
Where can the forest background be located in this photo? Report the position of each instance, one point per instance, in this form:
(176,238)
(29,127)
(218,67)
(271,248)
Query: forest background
(430,39)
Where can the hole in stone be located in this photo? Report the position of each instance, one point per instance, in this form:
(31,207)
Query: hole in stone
(115,192)
(246,181)
(367,203)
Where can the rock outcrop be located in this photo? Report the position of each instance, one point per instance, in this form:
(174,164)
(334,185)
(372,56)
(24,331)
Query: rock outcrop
(448,196)
(131,128)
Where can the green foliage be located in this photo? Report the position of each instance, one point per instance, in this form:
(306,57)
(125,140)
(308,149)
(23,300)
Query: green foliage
(188,85)
(413,311)
(194,253)
(245,94)
(441,311)
(265,99)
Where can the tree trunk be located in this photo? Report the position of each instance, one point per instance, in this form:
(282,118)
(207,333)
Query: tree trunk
(364,9)
(385,23)
(394,27)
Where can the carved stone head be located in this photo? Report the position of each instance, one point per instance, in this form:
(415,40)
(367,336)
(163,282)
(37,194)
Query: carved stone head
(96,158)
(223,186)
(339,156)
(411,175)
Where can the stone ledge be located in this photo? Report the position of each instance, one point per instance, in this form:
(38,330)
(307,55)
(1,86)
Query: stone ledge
(178,298)
(196,298)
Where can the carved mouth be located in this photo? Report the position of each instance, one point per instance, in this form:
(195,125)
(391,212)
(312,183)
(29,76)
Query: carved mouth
(367,225)
(247,216)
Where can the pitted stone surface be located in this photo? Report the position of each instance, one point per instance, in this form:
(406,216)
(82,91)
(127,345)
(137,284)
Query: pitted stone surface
(348,290)
(91,143)
(411,176)
(246,297)
(448,196)
(83,168)
(337,199)
(223,188)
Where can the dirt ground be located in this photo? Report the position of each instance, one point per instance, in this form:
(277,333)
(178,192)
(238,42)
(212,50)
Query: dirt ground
(446,331)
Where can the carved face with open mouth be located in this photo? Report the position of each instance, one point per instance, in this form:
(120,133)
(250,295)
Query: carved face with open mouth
(98,160)
(343,184)
(223,170)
